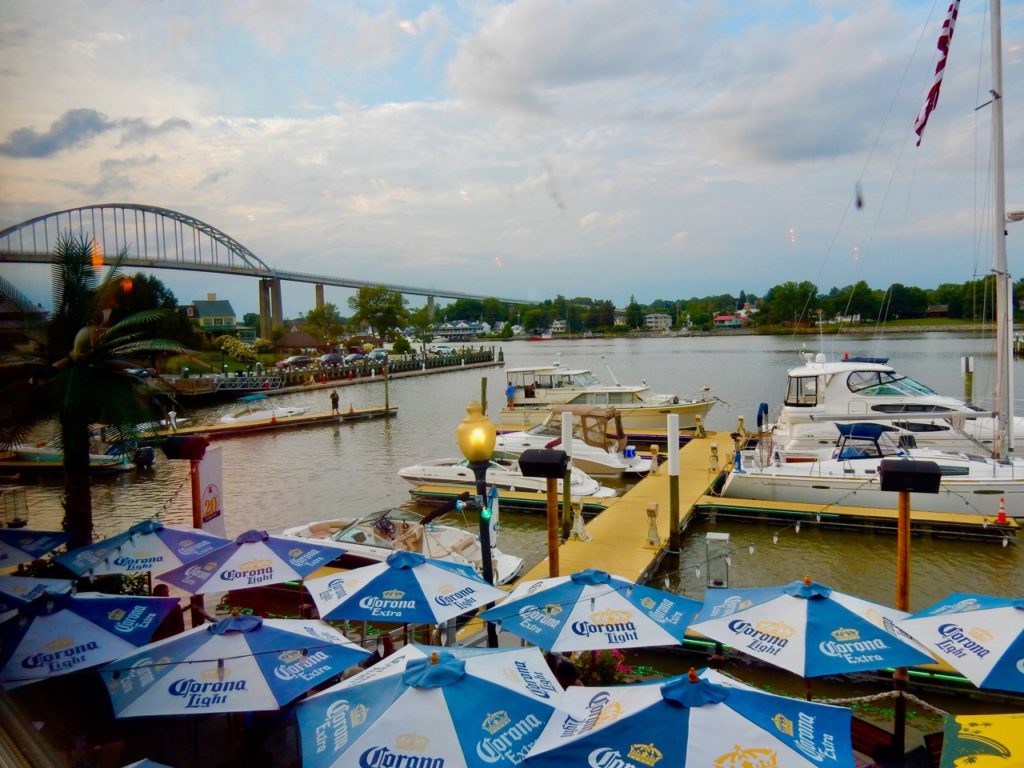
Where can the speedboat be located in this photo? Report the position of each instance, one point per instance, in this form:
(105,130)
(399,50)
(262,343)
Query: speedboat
(48,456)
(371,538)
(849,476)
(598,443)
(252,411)
(539,388)
(502,473)
(821,392)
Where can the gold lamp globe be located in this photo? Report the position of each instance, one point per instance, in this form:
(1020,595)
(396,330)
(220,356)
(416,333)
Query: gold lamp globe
(476,434)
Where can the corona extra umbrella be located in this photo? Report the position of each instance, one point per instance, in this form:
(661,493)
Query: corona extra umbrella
(146,546)
(425,706)
(692,722)
(408,588)
(22,545)
(980,636)
(593,610)
(58,634)
(253,559)
(807,628)
(238,664)
(19,590)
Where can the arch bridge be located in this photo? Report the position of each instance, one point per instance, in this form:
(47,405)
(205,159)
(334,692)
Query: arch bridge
(159,238)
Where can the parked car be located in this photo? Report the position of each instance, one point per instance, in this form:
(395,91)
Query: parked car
(295,361)
(442,349)
(377,356)
(355,357)
(332,358)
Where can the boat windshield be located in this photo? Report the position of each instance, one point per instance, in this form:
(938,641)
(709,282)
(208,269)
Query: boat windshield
(615,397)
(356,530)
(885,384)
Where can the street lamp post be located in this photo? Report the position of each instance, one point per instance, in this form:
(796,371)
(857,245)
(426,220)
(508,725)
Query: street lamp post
(476,435)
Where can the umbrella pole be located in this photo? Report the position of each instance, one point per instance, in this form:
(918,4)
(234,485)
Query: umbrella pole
(899,676)
(807,689)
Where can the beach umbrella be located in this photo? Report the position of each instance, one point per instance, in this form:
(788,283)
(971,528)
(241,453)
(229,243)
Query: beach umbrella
(22,545)
(237,664)
(593,610)
(422,706)
(253,559)
(407,588)
(980,636)
(58,634)
(146,546)
(19,590)
(145,763)
(807,628)
(692,721)
(983,741)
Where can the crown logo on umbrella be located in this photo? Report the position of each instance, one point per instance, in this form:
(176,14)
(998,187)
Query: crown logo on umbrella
(495,721)
(116,615)
(412,742)
(611,617)
(777,629)
(783,723)
(648,754)
(744,758)
(60,643)
(358,714)
(445,589)
(393,594)
(980,634)
(844,635)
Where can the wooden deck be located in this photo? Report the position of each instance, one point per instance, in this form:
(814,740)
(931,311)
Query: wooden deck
(222,431)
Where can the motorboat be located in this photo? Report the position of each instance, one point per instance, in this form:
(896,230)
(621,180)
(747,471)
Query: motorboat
(502,473)
(48,456)
(371,538)
(821,392)
(539,388)
(849,476)
(598,443)
(253,410)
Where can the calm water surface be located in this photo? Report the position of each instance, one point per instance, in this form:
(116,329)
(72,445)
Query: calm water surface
(275,481)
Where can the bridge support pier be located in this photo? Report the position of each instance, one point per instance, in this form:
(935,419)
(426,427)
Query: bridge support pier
(271,314)
(430,307)
(319,295)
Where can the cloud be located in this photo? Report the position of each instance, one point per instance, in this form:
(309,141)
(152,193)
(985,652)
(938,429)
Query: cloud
(74,128)
(137,131)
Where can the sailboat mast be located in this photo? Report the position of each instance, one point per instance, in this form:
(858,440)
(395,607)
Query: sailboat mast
(1003,395)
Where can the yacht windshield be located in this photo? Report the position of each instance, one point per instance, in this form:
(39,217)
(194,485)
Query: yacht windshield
(885,384)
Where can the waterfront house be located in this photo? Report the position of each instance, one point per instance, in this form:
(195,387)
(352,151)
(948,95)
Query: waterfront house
(214,316)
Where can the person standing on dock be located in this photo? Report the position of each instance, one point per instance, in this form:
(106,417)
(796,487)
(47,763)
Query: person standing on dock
(334,402)
(510,394)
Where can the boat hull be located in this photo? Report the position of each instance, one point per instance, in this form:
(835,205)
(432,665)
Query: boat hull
(634,418)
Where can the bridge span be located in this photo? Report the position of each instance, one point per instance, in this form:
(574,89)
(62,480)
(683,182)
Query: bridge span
(149,237)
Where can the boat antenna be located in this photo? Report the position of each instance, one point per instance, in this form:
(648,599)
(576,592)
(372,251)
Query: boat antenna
(610,371)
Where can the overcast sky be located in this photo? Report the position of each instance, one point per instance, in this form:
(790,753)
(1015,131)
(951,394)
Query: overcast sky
(602,148)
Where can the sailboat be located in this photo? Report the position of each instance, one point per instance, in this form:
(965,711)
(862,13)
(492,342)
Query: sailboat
(969,485)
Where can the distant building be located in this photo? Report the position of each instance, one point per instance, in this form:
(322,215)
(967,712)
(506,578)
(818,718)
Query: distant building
(728,321)
(620,317)
(657,322)
(213,315)
(937,310)
(559,326)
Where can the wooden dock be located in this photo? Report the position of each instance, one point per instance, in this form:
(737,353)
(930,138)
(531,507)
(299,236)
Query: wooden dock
(223,431)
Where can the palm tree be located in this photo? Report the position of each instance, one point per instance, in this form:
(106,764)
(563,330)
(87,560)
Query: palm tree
(77,373)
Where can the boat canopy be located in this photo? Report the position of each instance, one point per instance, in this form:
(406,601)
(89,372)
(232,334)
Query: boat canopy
(252,398)
(861,430)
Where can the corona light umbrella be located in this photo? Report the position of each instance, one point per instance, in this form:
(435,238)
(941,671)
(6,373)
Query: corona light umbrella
(253,559)
(237,664)
(58,634)
(408,588)
(19,590)
(808,629)
(423,706)
(981,636)
(692,721)
(145,547)
(22,545)
(592,610)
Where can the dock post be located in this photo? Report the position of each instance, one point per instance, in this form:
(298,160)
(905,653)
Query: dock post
(552,510)
(567,480)
(672,438)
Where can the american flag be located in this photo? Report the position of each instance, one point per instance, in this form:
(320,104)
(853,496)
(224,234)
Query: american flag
(933,93)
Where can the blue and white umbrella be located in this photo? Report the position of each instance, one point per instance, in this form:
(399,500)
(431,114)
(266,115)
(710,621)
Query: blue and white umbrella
(421,706)
(692,722)
(407,588)
(592,610)
(238,664)
(146,546)
(58,634)
(19,590)
(807,628)
(253,559)
(980,636)
(22,545)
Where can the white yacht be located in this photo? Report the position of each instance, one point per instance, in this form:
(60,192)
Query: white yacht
(821,392)
(501,473)
(598,444)
(371,538)
(970,485)
(539,388)
(252,410)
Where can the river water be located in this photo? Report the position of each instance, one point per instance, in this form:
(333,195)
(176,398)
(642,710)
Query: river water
(278,480)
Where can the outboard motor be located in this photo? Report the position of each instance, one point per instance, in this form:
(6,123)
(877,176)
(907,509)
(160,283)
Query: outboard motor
(144,457)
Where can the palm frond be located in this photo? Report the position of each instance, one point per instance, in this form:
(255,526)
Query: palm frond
(148,345)
(13,300)
(141,318)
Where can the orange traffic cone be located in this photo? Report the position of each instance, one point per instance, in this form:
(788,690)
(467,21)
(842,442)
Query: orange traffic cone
(350,410)
(273,418)
(1001,516)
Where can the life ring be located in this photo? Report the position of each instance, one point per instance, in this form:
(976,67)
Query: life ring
(762,412)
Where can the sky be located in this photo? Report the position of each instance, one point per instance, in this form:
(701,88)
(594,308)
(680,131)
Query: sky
(523,149)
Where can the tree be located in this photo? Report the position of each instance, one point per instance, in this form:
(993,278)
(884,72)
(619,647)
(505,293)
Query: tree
(141,292)
(789,302)
(325,323)
(422,322)
(79,374)
(634,313)
(380,308)
(251,319)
